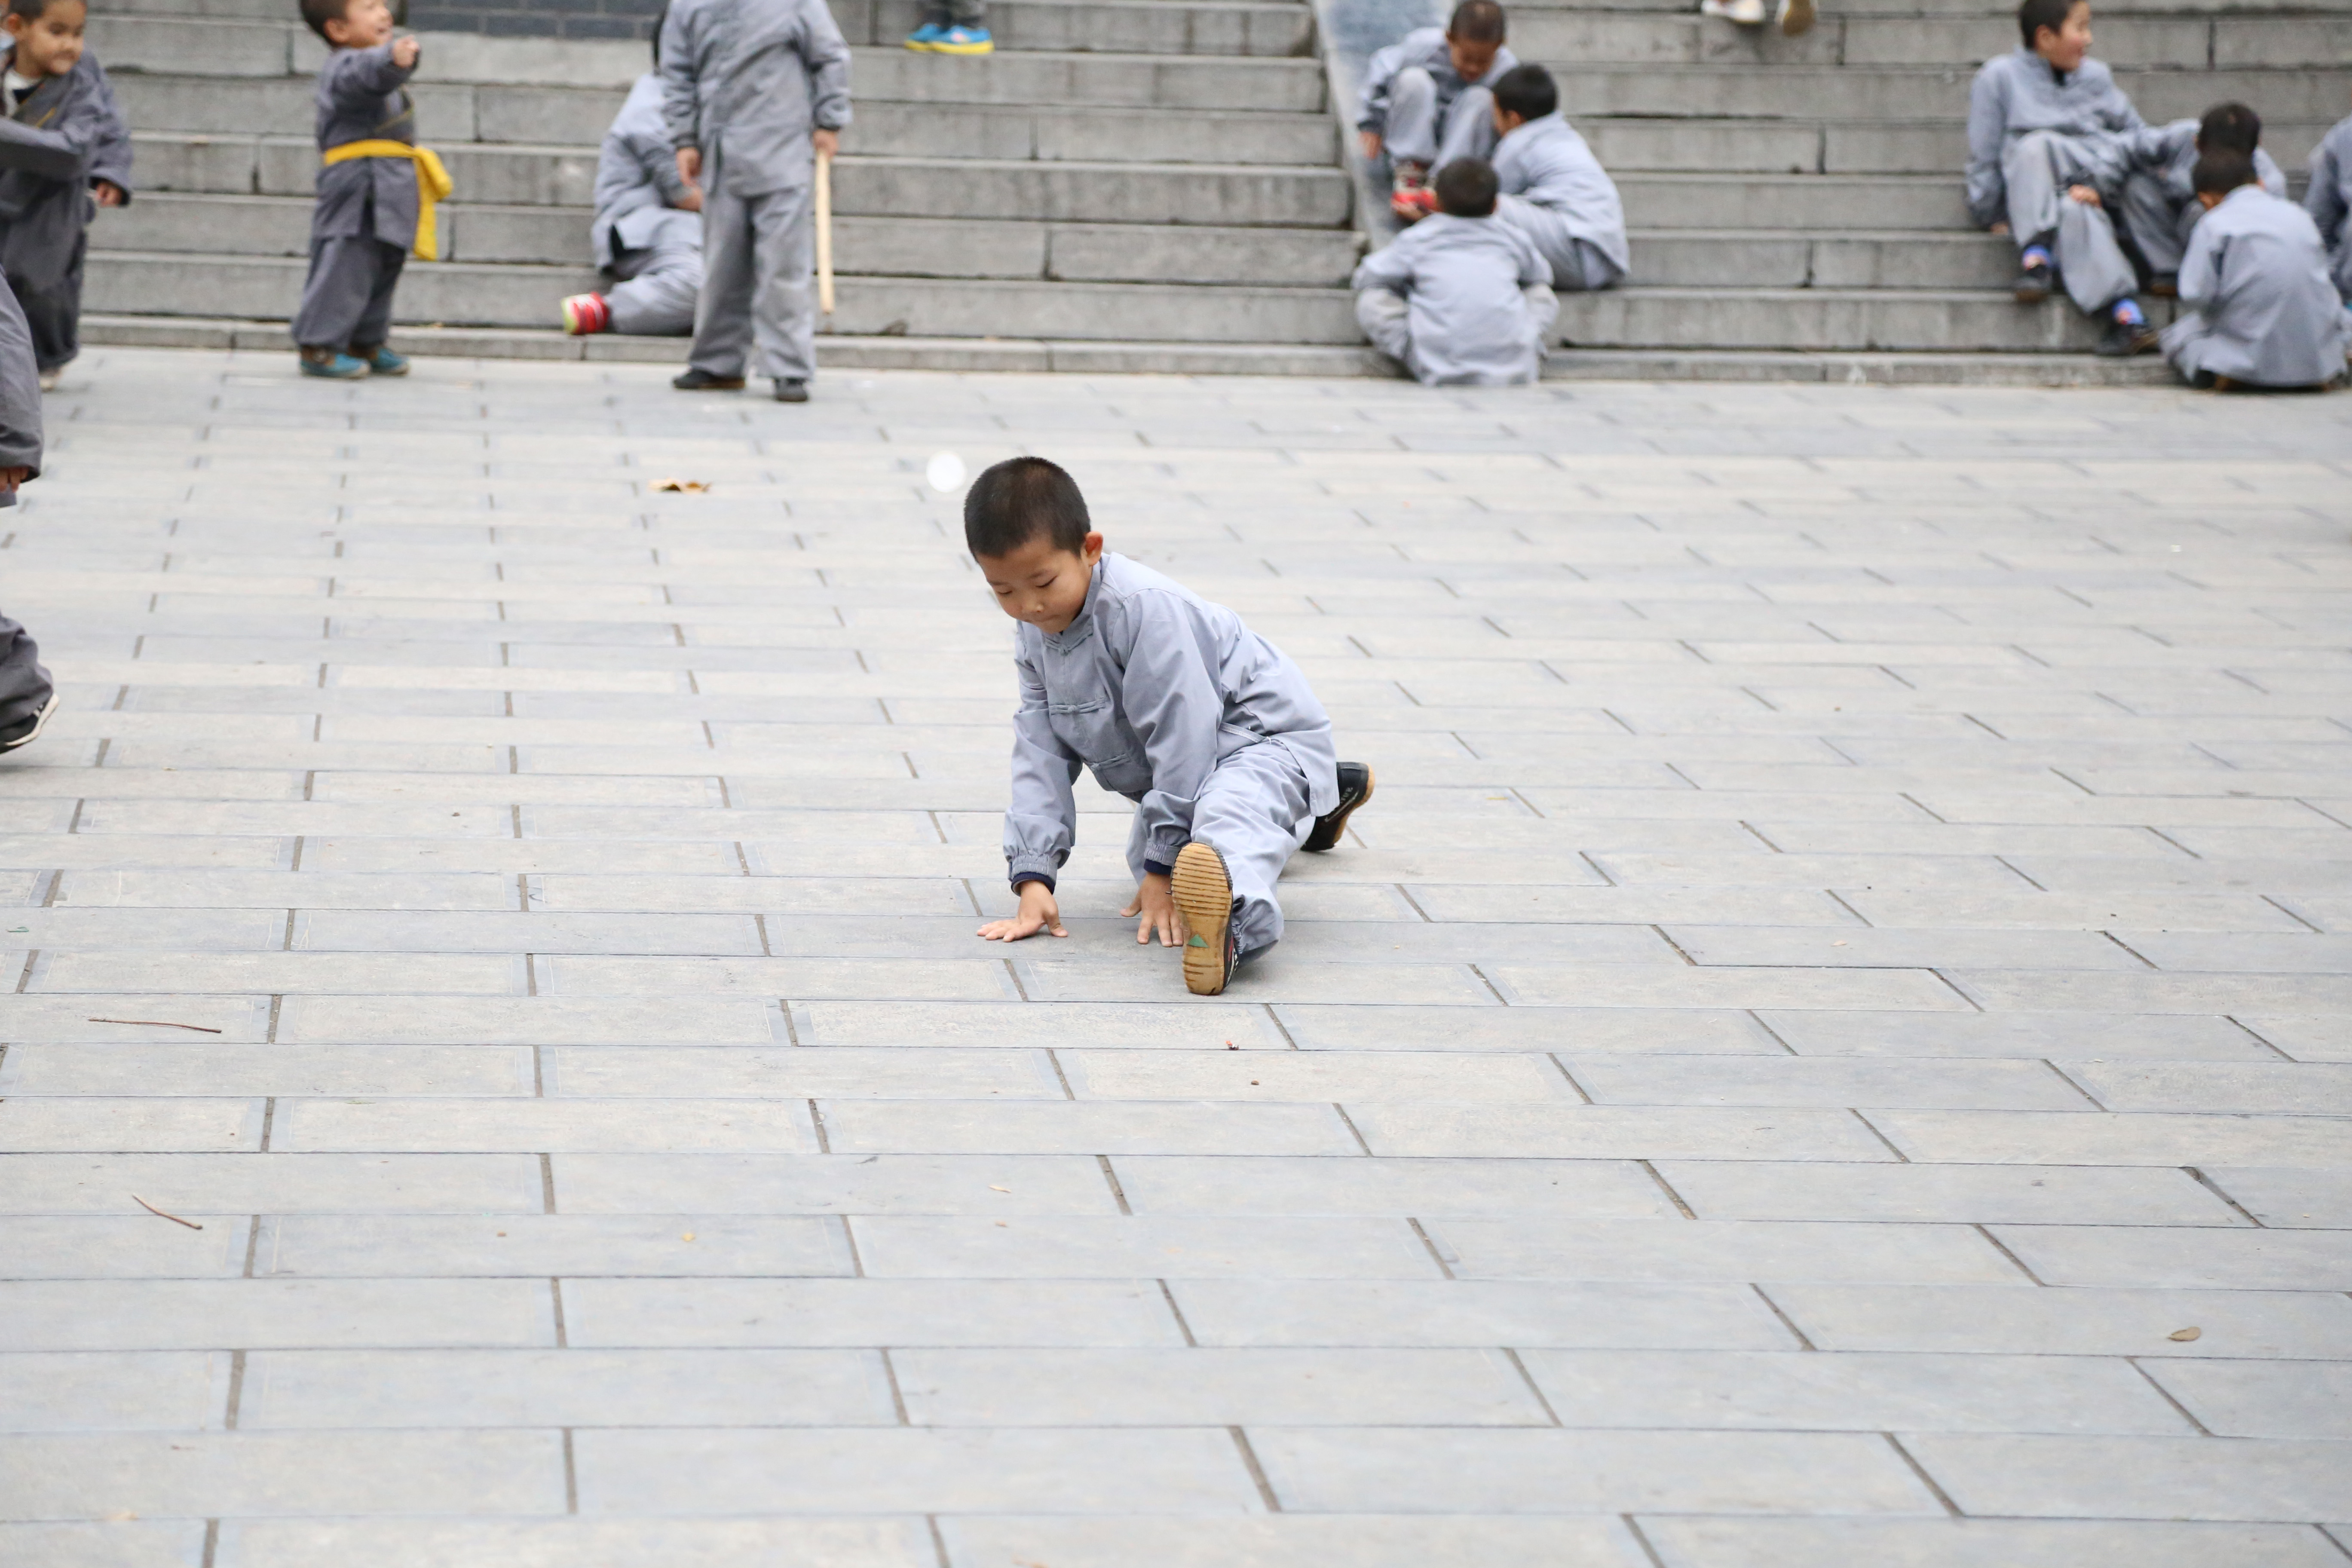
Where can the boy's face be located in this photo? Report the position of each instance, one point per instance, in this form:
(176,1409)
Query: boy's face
(1041,584)
(1471,59)
(49,44)
(2065,46)
(365,24)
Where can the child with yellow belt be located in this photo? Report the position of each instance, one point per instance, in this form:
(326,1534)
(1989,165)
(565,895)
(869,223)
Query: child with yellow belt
(375,194)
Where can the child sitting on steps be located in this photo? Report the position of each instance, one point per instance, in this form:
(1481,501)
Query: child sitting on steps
(1462,297)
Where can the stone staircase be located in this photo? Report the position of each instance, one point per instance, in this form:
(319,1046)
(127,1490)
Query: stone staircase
(1144,185)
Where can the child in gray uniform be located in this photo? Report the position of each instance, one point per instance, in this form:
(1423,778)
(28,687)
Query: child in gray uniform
(752,92)
(27,699)
(2160,205)
(1554,190)
(1173,703)
(2259,307)
(2051,138)
(2329,203)
(1427,100)
(647,232)
(1462,297)
(368,205)
(62,144)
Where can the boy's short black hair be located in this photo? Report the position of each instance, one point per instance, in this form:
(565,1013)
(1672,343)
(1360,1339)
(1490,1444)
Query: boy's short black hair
(2221,170)
(1475,22)
(1526,92)
(30,10)
(316,13)
(1015,501)
(1466,188)
(2230,126)
(2035,15)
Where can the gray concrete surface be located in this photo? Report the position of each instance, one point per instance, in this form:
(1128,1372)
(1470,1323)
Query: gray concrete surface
(1832,1045)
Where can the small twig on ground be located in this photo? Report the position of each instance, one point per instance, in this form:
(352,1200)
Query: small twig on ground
(159,1214)
(156,1023)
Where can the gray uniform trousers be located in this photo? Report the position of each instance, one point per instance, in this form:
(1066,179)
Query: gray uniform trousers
(1421,132)
(1386,317)
(658,287)
(1576,264)
(347,298)
(2037,168)
(23,685)
(1252,811)
(758,295)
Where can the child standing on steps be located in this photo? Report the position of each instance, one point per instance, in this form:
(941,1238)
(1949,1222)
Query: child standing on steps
(62,145)
(375,195)
(1173,703)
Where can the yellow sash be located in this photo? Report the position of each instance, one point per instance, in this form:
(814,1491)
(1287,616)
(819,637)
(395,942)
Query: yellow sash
(433,184)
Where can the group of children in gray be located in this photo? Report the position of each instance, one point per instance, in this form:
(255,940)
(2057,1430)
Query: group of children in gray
(1506,204)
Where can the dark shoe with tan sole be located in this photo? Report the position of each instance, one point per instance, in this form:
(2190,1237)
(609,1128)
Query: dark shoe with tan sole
(703,381)
(1204,893)
(1355,788)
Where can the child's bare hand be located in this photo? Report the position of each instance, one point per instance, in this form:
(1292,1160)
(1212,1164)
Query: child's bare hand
(827,142)
(1038,912)
(109,194)
(403,51)
(692,202)
(1369,140)
(2086,194)
(690,166)
(1154,910)
(12,477)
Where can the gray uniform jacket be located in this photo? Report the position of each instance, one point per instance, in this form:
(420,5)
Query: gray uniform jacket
(637,179)
(1461,278)
(2329,200)
(1151,687)
(1548,162)
(20,389)
(2018,92)
(2169,151)
(747,81)
(363,96)
(1425,48)
(67,133)
(2261,307)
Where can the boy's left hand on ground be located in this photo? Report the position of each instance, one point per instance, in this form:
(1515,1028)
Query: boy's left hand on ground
(2086,194)
(1155,905)
(109,194)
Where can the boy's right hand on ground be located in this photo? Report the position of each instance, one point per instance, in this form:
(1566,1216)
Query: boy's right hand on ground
(1038,912)
(403,51)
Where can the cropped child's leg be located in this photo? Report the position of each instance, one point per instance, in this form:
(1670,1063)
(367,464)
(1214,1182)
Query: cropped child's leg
(335,296)
(783,301)
(2090,262)
(1469,129)
(722,318)
(2036,168)
(1253,812)
(2153,222)
(657,297)
(1381,312)
(1412,133)
(373,327)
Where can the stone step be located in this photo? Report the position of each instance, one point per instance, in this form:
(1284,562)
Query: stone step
(1794,259)
(1833,202)
(932,247)
(165,283)
(1783,147)
(1902,321)
(2178,42)
(1869,94)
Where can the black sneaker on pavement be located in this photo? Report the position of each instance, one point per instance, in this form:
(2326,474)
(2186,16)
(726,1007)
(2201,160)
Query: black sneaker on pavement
(703,381)
(25,731)
(1355,788)
(790,391)
(1204,893)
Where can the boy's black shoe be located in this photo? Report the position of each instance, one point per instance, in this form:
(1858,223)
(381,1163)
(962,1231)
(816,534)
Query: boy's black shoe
(703,381)
(2124,339)
(2033,284)
(1204,893)
(25,733)
(2165,285)
(1355,788)
(790,391)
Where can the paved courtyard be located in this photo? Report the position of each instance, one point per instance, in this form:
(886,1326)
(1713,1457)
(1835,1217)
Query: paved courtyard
(1832,1047)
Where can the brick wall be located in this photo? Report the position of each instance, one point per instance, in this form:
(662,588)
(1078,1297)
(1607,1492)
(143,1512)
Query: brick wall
(536,18)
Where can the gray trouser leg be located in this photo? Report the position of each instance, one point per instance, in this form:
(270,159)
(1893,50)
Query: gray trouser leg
(658,287)
(1413,128)
(1468,128)
(1543,309)
(957,12)
(758,253)
(348,297)
(24,684)
(1576,264)
(53,315)
(1381,313)
(2090,263)
(2037,168)
(1252,811)
(2159,228)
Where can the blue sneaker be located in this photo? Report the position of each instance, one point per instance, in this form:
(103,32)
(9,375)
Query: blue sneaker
(381,360)
(964,41)
(336,366)
(926,37)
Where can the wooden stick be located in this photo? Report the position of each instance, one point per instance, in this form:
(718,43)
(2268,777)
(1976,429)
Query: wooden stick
(824,232)
(157,1024)
(159,1214)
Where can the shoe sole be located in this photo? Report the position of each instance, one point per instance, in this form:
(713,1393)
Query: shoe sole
(1204,893)
(1798,18)
(920,48)
(335,375)
(397,370)
(967,50)
(735,385)
(2027,294)
(1340,818)
(40,722)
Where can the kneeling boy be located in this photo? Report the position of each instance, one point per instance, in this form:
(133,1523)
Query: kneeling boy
(1173,703)
(2051,138)
(1461,299)
(2261,309)
(1554,190)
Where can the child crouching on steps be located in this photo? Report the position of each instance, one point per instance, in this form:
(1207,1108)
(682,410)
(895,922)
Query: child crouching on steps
(1173,703)
(376,191)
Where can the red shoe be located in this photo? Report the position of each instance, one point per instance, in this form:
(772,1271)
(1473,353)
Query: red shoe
(1414,205)
(586,313)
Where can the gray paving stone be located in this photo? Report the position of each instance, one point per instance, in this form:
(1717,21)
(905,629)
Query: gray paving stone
(1320,1075)
(85,1247)
(2294,1089)
(1378,1541)
(1614,1132)
(32,1125)
(1078,1247)
(1955,1542)
(449,1246)
(1583,1030)
(1999,1137)
(2139,1478)
(2115,1036)
(92,1475)
(204,1314)
(1793,1081)
(1476,1312)
(426,1020)
(119,1391)
(859,1312)
(2235,1259)
(840,1183)
(245,1183)
(1973,1195)
(1226,1185)
(1718,1249)
(1101,1127)
(126,1543)
(2289,1325)
(2290,1199)
(204,1070)
(575,1125)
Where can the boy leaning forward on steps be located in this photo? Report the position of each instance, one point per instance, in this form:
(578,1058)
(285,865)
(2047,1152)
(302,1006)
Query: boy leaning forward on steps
(1173,703)
(375,195)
